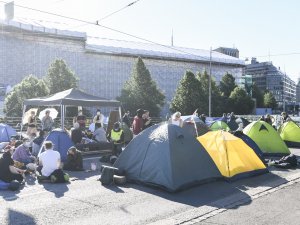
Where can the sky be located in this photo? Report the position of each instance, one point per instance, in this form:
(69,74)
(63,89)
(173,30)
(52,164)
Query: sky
(266,29)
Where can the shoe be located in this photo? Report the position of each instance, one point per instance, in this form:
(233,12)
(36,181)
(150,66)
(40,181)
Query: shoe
(53,179)
(66,177)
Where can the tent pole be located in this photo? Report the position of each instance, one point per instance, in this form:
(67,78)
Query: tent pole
(24,109)
(62,116)
(120,113)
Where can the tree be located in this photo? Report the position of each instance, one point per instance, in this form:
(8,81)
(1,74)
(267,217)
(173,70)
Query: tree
(227,84)
(217,103)
(29,87)
(187,95)
(258,95)
(60,77)
(242,103)
(269,100)
(140,91)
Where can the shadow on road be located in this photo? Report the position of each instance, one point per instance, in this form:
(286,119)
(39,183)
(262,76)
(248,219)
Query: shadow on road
(59,190)
(18,218)
(219,194)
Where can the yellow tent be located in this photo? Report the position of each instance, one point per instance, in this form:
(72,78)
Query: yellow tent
(232,156)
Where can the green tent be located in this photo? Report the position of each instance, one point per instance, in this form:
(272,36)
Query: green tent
(290,133)
(219,125)
(267,138)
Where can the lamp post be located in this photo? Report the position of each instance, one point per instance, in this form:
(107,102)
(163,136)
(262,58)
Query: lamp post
(209,85)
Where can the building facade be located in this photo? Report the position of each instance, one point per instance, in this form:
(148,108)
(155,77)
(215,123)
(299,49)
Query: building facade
(269,78)
(234,52)
(102,65)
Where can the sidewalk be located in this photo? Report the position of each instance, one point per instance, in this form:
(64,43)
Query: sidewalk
(267,199)
(280,206)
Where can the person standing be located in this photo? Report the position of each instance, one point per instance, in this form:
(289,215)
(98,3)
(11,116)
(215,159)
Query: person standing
(47,121)
(99,118)
(126,118)
(31,124)
(146,119)
(137,124)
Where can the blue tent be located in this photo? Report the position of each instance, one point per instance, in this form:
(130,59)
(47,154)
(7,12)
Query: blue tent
(61,141)
(6,132)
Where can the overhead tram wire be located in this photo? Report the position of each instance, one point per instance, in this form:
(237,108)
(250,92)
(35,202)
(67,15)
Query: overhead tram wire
(105,17)
(112,29)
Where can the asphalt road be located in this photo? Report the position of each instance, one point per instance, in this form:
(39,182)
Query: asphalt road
(85,201)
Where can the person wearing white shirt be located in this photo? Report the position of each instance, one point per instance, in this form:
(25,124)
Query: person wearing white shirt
(176,119)
(49,160)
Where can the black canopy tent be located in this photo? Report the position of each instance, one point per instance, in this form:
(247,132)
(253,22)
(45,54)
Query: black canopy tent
(71,97)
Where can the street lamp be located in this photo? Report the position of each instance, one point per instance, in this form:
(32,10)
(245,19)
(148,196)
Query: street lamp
(209,84)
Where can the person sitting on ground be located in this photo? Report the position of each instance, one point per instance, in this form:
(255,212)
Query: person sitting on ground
(47,121)
(8,145)
(8,172)
(99,134)
(176,119)
(49,161)
(74,160)
(22,153)
(81,120)
(37,143)
(268,119)
(76,134)
(285,117)
(203,118)
(116,136)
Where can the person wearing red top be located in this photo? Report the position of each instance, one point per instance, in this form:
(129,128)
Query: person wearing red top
(138,124)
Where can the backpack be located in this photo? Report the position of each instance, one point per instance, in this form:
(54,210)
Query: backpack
(58,176)
(107,174)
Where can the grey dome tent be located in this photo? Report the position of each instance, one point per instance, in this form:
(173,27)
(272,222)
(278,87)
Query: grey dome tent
(168,157)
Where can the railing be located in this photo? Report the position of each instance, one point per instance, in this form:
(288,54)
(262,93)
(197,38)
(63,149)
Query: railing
(15,122)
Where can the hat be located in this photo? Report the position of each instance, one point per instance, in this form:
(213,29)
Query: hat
(116,125)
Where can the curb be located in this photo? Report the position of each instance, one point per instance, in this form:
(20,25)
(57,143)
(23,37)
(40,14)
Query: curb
(204,212)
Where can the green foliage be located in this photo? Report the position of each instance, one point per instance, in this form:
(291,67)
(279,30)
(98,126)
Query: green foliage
(216,99)
(29,87)
(258,95)
(140,91)
(227,84)
(188,95)
(60,77)
(241,102)
(269,100)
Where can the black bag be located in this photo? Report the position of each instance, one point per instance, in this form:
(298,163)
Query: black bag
(59,175)
(107,174)
(287,162)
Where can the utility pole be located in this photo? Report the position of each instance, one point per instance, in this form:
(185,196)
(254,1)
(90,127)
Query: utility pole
(209,84)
